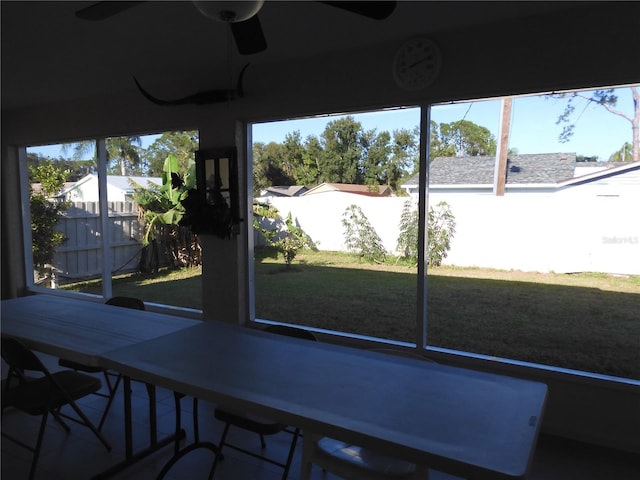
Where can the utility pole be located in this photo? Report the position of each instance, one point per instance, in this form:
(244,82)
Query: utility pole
(500,175)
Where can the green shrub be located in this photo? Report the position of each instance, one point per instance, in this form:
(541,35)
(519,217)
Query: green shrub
(408,237)
(360,236)
(286,237)
(45,212)
(294,239)
(441,227)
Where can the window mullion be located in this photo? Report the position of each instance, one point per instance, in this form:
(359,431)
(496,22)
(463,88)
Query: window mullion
(423,204)
(104,218)
(26,215)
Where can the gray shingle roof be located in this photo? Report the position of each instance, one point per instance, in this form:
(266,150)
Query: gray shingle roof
(285,191)
(538,168)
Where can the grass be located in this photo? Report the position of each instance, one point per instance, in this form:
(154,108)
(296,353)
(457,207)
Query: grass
(586,321)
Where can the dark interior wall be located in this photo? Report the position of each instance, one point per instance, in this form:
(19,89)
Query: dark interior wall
(537,54)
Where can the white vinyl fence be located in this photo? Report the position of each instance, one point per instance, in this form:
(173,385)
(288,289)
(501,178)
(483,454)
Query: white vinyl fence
(81,255)
(562,232)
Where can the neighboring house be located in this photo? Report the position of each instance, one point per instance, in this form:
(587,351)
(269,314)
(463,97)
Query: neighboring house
(605,179)
(119,189)
(582,215)
(37,187)
(367,190)
(539,172)
(528,173)
(535,173)
(284,191)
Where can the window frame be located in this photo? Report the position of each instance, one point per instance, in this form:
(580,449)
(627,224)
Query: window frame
(105,247)
(420,341)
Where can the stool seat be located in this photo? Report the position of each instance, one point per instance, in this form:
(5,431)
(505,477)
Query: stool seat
(365,459)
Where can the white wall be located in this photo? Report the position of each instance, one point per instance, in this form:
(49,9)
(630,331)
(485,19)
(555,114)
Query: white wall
(562,232)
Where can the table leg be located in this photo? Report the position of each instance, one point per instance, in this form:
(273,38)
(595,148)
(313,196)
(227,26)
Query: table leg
(197,443)
(154,444)
(153,422)
(128,419)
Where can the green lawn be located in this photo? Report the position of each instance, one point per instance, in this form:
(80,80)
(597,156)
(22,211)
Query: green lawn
(587,322)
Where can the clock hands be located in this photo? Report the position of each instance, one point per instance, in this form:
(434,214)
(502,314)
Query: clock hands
(422,60)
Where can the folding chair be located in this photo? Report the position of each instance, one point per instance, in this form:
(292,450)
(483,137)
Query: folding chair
(111,379)
(45,394)
(261,426)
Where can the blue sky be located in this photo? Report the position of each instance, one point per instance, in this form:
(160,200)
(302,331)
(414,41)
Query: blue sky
(533,128)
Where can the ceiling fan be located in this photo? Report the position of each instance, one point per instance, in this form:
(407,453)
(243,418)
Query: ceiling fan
(242,16)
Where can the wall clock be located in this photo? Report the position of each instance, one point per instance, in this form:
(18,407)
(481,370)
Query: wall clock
(417,64)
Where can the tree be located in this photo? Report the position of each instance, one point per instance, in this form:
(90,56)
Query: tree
(407,243)
(607,99)
(461,138)
(404,155)
(76,168)
(625,154)
(292,155)
(343,153)
(360,236)
(267,166)
(260,166)
(45,214)
(264,213)
(124,150)
(162,211)
(293,239)
(342,142)
(441,226)
(285,236)
(309,171)
(376,158)
(181,144)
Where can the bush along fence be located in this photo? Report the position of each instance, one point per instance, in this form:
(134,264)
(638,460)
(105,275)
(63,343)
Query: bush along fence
(359,235)
(536,232)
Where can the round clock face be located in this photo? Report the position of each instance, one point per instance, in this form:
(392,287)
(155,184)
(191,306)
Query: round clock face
(417,64)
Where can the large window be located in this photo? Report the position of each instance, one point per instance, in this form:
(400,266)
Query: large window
(533,251)
(95,204)
(330,185)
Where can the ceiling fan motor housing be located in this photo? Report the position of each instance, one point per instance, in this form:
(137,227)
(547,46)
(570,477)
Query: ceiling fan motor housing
(229,12)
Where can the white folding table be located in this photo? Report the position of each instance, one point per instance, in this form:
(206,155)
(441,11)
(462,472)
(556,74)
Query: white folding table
(468,423)
(81,330)
(84,331)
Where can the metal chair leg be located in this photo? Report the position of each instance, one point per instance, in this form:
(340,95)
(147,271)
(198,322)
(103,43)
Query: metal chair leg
(36,449)
(89,424)
(112,393)
(220,447)
(292,450)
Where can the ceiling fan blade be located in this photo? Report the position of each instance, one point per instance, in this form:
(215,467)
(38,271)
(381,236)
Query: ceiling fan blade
(104,10)
(248,36)
(371,9)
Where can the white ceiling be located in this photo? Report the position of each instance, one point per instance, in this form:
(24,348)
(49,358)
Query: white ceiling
(49,55)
